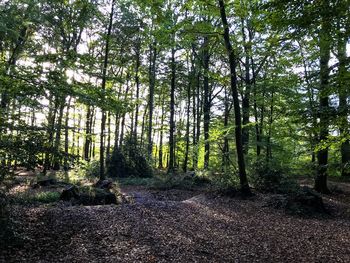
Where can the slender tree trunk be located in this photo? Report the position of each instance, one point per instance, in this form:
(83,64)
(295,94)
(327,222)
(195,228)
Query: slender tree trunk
(246,94)
(66,138)
(172,114)
(206,106)
(137,80)
(57,151)
(88,124)
(152,81)
(103,87)
(160,153)
(143,124)
(108,150)
(50,132)
(93,148)
(78,135)
(238,129)
(123,117)
(198,122)
(325,48)
(343,106)
(225,150)
(189,88)
(268,143)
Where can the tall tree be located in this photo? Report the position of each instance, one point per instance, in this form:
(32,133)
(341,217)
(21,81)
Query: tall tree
(238,122)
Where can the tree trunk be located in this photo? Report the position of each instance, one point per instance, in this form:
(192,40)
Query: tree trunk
(137,80)
(246,94)
(238,129)
(206,105)
(66,138)
(343,106)
(57,151)
(160,152)
(172,114)
(88,124)
(325,48)
(108,148)
(51,119)
(103,88)
(225,150)
(152,82)
(189,88)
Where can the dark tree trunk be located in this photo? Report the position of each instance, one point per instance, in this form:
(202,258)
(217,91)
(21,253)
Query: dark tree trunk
(238,129)
(66,138)
(268,139)
(325,48)
(124,114)
(50,132)
(137,80)
(343,106)
(78,135)
(152,82)
(57,150)
(88,124)
(103,88)
(172,114)
(246,94)
(225,149)
(189,88)
(108,148)
(160,152)
(198,122)
(206,105)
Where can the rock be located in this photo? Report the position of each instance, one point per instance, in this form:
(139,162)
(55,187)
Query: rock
(70,193)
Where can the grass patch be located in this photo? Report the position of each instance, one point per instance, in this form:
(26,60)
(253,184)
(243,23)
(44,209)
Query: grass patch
(38,197)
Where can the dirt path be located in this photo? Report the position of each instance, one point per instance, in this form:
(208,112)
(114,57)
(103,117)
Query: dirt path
(176,226)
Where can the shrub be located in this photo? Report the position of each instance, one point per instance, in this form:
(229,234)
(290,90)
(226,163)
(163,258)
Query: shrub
(128,160)
(271,177)
(93,169)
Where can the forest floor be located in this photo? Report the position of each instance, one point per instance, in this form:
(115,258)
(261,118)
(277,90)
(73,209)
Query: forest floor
(180,226)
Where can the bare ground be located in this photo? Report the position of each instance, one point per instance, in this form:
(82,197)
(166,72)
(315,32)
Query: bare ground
(178,226)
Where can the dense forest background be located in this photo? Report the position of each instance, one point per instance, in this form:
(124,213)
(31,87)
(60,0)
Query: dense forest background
(224,88)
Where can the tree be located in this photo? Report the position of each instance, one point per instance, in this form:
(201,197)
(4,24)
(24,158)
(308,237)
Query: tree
(238,122)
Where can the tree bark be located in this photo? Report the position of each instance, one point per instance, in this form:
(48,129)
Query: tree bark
(325,48)
(343,106)
(172,114)
(233,77)
(103,88)
(152,81)
(206,105)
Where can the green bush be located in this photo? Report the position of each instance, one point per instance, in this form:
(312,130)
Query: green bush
(186,181)
(272,177)
(93,169)
(128,161)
